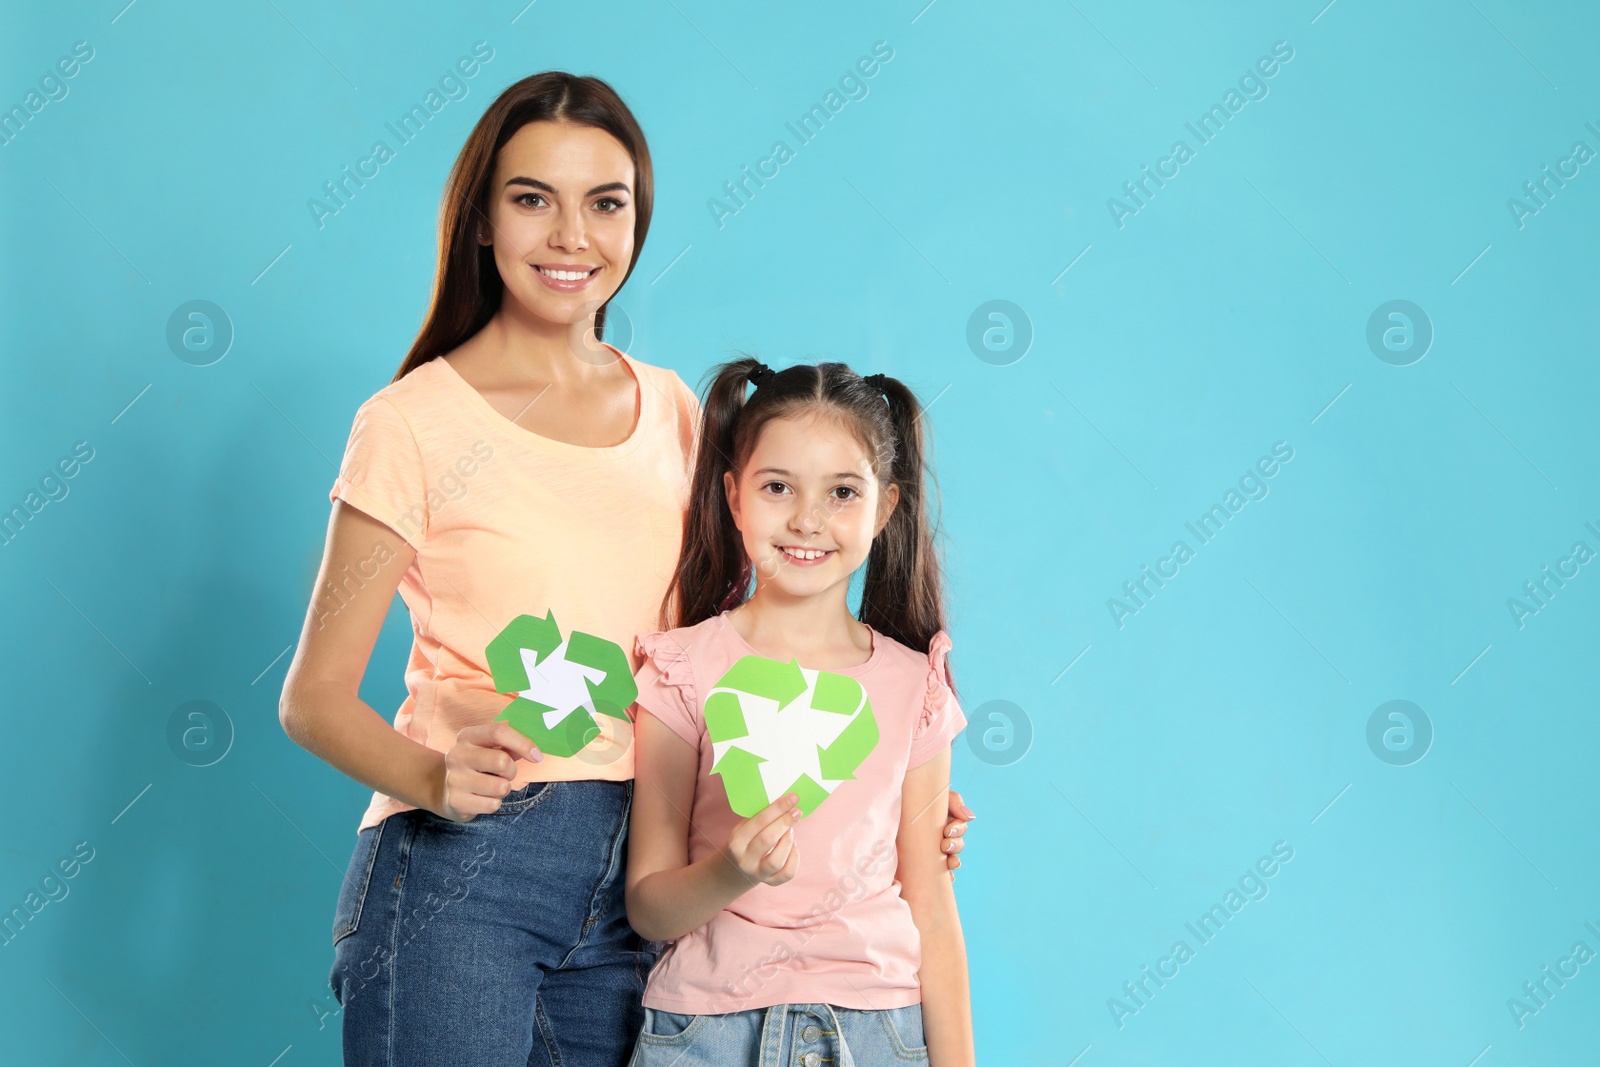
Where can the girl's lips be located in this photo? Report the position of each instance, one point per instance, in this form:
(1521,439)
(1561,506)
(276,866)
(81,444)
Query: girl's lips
(567,287)
(798,562)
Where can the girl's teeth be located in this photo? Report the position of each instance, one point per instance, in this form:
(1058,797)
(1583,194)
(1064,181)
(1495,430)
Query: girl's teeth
(803,553)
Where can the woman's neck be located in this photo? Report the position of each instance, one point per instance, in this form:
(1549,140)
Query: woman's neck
(526,347)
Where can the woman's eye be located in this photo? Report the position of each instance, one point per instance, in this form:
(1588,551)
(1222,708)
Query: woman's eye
(525,197)
(609,205)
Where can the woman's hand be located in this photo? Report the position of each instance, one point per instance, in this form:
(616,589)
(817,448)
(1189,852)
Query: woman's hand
(762,847)
(955,830)
(479,768)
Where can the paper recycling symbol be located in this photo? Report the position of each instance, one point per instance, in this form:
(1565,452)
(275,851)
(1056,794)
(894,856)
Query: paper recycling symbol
(777,728)
(559,684)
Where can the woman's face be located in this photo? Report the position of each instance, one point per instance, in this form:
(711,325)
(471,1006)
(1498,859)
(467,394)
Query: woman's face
(561,219)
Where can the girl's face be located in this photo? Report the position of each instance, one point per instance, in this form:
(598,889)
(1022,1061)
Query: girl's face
(807,490)
(561,219)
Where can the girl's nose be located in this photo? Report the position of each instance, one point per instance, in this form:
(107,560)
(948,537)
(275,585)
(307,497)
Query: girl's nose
(808,519)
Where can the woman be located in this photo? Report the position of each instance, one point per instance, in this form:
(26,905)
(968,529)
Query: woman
(516,467)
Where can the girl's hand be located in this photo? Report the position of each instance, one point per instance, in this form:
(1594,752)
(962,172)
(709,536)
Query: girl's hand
(479,768)
(762,847)
(955,830)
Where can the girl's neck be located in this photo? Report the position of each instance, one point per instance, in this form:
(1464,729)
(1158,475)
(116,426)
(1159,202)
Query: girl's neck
(819,631)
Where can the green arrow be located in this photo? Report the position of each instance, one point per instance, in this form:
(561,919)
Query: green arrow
(617,690)
(724,717)
(741,778)
(810,793)
(838,693)
(762,677)
(505,651)
(839,760)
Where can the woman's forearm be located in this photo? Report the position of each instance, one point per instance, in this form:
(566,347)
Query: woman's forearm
(346,733)
(946,998)
(665,905)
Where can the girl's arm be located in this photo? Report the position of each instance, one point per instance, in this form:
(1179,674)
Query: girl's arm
(925,885)
(320,709)
(667,895)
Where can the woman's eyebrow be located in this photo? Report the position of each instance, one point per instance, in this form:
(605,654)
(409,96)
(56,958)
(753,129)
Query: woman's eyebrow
(535,183)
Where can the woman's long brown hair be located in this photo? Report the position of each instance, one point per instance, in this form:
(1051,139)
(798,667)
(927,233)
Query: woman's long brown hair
(902,595)
(466,286)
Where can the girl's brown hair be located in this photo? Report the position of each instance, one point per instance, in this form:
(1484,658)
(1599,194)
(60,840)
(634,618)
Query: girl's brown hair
(466,287)
(902,595)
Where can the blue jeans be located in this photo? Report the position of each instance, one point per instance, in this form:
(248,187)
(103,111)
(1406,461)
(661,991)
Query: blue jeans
(500,942)
(785,1035)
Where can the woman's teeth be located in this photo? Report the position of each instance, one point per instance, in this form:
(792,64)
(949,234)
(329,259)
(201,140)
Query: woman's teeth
(565,275)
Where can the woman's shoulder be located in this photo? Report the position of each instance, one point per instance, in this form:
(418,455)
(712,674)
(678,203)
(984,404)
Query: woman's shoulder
(667,382)
(414,396)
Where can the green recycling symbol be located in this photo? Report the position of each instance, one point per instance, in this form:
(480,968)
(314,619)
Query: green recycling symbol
(779,728)
(559,684)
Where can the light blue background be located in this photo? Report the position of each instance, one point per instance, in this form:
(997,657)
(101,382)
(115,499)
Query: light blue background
(1228,314)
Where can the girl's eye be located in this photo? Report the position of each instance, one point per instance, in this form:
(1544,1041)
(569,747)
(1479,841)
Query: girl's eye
(850,490)
(769,485)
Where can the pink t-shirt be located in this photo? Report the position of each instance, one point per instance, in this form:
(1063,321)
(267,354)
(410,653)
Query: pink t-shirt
(838,932)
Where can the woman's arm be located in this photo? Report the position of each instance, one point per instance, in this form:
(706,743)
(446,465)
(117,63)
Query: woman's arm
(668,896)
(321,712)
(925,885)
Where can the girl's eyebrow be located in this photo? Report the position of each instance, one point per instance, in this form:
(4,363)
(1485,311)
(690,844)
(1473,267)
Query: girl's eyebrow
(790,474)
(535,183)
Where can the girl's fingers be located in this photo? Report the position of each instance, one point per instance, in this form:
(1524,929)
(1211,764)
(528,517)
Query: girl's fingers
(767,839)
(774,861)
(749,832)
(791,865)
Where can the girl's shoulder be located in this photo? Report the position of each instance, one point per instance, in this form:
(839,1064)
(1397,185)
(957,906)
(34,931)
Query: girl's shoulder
(682,642)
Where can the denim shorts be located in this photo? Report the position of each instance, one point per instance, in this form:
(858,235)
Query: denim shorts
(500,942)
(790,1035)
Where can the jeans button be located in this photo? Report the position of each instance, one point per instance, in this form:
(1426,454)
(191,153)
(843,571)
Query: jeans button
(811,1059)
(811,1033)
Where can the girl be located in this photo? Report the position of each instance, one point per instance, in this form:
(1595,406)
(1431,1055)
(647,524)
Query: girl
(833,937)
(516,465)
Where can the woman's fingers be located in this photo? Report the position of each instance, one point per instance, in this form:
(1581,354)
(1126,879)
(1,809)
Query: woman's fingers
(501,736)
(958,808)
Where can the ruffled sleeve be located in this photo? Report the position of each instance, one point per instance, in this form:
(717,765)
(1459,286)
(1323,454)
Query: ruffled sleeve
(941,718)
(666,685)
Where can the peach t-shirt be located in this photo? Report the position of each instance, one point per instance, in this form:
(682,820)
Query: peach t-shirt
(506,522)
(838,932)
